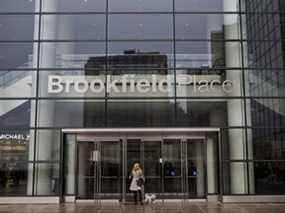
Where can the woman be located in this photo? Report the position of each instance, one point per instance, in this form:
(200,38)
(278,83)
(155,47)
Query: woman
(137,183)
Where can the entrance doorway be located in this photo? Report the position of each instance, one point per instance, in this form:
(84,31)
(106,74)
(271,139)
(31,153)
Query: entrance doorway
(99,169)
(174,165)
(173,168)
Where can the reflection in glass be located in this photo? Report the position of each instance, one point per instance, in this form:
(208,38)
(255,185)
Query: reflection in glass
(140,27)
(110,167)
(203,55)
(73,6)
(17,83)
(84,113)
(48,148)
(152,166)
(86,168)
(17,6)
(47,179)
(205,27)
(139,6)
(203,5)
(172,165)
(13,178)
(17,55)
(140,113)
(73,27)
(195,163)
(16,114)
(69,54)
(269,177)
(20,27)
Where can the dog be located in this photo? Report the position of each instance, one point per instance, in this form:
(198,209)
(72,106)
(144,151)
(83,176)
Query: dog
(149,198)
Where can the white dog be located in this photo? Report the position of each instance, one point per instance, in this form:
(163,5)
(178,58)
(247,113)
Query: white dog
(149,198)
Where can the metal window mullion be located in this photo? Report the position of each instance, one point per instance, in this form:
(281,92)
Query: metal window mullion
(174,59)
(106,61)
(36,101)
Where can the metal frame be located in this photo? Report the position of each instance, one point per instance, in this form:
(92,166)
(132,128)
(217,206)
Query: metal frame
(138,130)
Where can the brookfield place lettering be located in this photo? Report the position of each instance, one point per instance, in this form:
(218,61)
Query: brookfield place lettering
(135,83)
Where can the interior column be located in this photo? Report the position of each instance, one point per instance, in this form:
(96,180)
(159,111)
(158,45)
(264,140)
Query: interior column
(235,107)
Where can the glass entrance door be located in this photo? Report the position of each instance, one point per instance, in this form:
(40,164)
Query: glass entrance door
(195,169)
(99,168)
(174,168)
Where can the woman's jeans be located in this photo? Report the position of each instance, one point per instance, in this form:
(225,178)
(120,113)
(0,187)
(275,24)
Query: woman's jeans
(136,193)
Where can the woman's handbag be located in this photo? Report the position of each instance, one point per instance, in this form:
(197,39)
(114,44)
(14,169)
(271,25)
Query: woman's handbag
(140,182)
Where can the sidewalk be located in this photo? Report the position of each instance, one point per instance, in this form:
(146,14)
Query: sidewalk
(155,208)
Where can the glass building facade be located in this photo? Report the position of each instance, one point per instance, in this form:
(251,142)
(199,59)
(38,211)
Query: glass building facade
(193,90)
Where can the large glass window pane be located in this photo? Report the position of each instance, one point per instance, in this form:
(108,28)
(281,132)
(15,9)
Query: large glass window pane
(267,143)
(17,55)
(207,26)
(269,177)
(204,5)
(20,27)
(202,112)
(262,26)
(234,144)
(73,6)
(139,6)
(262,5)
(13,178)
(140,26)
(205,55)
(111,168)
(17,83)
(16,113)
(265,82)
(46,179)
(266,112)
(73,27)
(172,166)
(17,6)
(196,169)
(235,178)
(48,145)
(138,51)
(70,54)
(86,180)
(85,113)
(140,113)
(265,53)
(152,166)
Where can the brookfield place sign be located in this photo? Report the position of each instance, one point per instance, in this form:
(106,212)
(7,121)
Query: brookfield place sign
(136,83)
